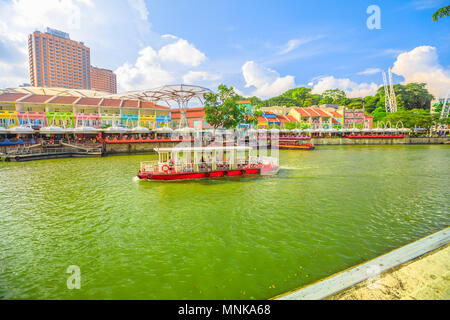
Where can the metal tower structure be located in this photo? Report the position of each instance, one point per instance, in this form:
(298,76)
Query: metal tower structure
(445,107)
(392,93)
(390,101)
(387,102)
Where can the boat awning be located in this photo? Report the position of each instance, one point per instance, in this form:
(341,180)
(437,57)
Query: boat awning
(203,149)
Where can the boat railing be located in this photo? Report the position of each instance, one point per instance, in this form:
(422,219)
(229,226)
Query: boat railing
(149,165)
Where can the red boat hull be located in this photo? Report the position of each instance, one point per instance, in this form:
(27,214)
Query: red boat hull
(204,175)
(306,147)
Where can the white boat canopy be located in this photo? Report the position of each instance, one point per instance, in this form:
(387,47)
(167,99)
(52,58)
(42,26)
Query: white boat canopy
(203,149)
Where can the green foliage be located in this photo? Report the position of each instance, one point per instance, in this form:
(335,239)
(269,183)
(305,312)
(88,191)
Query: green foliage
(379,114)
(223,111)
(441,13)
(416,118)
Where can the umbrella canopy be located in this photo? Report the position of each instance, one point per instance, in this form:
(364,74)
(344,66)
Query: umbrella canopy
(140,129)
(166,130)
(21,130)
(52,130)
(116,129)
(85,130)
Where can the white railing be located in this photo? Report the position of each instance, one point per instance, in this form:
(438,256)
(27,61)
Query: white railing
(149,165)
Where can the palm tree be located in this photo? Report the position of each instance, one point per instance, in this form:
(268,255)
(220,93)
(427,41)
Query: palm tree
(441,13)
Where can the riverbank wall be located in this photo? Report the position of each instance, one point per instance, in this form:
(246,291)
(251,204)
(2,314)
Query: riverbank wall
(406,140)
(418,270)
(130,148)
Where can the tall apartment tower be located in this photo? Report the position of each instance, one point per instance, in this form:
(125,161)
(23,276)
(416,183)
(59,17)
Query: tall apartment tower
(57,61)
(103,80)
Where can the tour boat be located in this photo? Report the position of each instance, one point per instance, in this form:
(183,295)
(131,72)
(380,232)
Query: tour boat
(187,163)
(287,144)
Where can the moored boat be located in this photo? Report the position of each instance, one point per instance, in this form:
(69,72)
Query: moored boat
(287,144)
(187,163)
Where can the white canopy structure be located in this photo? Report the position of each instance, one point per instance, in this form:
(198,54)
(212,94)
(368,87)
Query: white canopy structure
(181,94)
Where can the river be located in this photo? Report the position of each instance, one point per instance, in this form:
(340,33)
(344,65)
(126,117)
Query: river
(250,238)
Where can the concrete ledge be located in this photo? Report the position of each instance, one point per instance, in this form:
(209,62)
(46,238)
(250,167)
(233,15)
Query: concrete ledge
(354,275)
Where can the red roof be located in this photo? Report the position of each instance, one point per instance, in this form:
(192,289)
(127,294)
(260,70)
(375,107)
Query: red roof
(11,97)
(335,121)
(151,105)
(302,112)
(262,119)
(188,110)
(37,98)
(244,102)
(283,118)
(63,100)
(321,112)
(336,114)
(312,112)
(130,104)
(89,101)
(291,118)
(111,103)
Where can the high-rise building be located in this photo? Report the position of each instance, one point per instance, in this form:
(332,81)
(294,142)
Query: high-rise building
(57,61)
(103,80)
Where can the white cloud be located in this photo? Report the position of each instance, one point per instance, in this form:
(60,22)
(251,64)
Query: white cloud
(84,20)
(370,71)
(182,52)
(422,65)
(156,68)
(199,76)
(295,43)
(267,82)
(140,7)
(351,88)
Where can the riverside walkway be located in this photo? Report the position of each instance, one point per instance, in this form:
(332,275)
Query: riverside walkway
(378,279)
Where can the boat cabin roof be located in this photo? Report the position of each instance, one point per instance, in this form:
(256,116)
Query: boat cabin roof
(202,149)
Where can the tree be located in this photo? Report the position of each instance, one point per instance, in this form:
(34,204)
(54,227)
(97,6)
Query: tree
(441,13)
(222,109)
(379,114)
(335,95)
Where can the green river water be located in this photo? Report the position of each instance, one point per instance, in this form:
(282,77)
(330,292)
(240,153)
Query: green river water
(250,238)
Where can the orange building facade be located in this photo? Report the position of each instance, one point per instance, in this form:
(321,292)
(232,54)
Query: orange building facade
(57,61)
(103,80)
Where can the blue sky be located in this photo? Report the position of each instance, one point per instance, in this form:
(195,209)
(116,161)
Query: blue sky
(259,47)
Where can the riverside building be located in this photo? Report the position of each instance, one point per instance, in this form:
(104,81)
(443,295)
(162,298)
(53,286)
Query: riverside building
(57,61)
